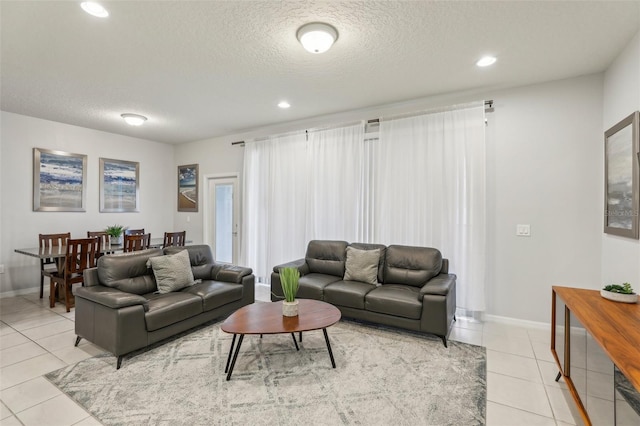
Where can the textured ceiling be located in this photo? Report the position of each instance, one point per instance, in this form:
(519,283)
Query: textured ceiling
(199,69)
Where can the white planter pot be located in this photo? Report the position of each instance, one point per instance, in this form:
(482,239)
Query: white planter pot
(290,309)
(619,297)
(119,240)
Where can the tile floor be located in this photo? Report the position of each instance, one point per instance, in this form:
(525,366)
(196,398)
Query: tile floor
(35,340)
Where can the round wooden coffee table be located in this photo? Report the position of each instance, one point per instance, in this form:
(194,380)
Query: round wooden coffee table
(267,318)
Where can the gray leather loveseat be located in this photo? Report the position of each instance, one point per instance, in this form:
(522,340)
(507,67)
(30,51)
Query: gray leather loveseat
(408,287)
(119,307)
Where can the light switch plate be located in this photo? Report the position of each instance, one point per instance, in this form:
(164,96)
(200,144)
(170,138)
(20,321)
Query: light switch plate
(523,230)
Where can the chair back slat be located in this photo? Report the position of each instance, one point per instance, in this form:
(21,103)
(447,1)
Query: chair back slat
(47,241)
(136,242)
(81,254)
(174,238)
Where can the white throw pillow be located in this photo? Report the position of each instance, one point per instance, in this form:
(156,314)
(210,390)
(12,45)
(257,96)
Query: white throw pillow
(362,265)
(172,271)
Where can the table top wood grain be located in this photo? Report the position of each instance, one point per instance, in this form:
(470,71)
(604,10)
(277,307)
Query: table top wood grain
(267,318)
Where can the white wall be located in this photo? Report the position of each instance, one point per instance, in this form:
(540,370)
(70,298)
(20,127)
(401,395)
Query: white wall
(20,225)
(621,256)
(544,149)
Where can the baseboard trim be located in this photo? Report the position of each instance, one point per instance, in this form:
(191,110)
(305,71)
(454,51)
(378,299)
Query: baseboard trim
(516,321)
(20,292)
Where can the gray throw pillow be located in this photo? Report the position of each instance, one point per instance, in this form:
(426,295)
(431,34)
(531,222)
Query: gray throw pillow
(362,265)
(172,271)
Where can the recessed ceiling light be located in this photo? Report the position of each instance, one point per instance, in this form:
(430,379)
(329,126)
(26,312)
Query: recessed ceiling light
(134,119)
(284,104)
(95,9)
(317,37)
(485,61)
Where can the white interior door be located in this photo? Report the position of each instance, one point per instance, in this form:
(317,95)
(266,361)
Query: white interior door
(223,218)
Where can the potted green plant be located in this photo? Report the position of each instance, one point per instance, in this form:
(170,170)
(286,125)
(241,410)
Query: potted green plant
(619,293)
(289,278)
(115,233)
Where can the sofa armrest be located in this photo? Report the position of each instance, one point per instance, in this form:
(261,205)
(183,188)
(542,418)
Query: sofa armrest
(300,264)
(90,277)
(111,297)
(230,273)
(439,285)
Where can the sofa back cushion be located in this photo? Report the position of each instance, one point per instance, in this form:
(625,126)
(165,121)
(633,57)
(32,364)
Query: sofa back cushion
(326,257)
(383,249)
(409,265)
(128,272)
(201,259)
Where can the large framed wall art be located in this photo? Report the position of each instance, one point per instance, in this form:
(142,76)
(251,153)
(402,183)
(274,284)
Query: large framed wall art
(119,186)
(621,201)
(188,188)
(59,181)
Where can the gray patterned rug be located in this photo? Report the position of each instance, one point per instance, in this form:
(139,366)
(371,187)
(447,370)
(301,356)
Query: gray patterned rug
(383,376)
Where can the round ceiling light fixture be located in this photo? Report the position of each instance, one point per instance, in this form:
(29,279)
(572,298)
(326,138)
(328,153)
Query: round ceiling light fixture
(284,104)
(134,119)
(317,37)
(95,9)
(485,61)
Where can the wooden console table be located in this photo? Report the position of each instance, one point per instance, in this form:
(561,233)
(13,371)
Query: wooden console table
(614,326)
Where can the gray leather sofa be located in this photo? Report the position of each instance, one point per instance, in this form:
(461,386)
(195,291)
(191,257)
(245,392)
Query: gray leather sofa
(414,291)
(120,310)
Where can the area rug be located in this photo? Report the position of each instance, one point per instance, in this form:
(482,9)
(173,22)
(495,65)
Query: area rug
(383,376)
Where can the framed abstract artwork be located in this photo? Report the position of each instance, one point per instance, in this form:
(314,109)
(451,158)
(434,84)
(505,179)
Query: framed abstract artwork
(188,188)
(119,186)
(59,181)
(621,201)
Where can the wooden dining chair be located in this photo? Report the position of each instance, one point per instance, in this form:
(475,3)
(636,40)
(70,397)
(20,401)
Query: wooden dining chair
(133,231)
(49,265)
(174,239)
(136,242)
(104,241)
(81,254)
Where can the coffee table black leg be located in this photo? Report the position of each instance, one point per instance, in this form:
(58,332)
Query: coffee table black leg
(233,342)
(235,356)
(326,339)
(294,341)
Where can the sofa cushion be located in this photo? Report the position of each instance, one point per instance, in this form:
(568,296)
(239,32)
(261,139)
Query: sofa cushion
(370,246)
(172,271)
(200,257)
(392,299)
(128,272)
(347,293)
(413,266)
(311,286)
(362,265)
(215,293)
(326,257)
(170,308)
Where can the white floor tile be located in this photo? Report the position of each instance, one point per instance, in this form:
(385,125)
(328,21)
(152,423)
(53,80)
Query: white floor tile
(542,350)
(58,341)
(4,411)
(502,415)
(89,421)
(6,329)
(465,335)
(600,385)
(513,365)
(29,369)
(468,324)
(28,394)
(600,411)
(49,329)
(11,421)
(13,339)
(26,311)
(563,406)
(72,354)
(515,346)
(540,335)
(506,330)
(43,318)
(518,393)
(548,373)
(60,410)
(19,353)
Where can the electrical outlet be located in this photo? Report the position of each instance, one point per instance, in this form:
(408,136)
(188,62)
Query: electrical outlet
(523,230)
(1,269)
(188,219)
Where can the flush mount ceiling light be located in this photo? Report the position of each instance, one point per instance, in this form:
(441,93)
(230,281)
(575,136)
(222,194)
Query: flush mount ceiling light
(485,61)
(317,37)
(284,104)
(134,119)
(95,9)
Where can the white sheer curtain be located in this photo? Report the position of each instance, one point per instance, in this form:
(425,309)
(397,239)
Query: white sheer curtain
(296,190)
(429,190)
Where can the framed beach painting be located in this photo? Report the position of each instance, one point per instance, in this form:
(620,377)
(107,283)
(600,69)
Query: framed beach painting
(188,188)
(59,181)
(621,166)
(119,186)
